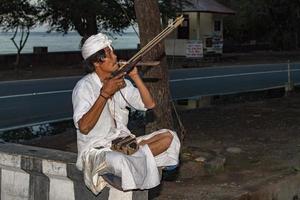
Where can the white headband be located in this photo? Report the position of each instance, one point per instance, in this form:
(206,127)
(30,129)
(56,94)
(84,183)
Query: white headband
(93,44)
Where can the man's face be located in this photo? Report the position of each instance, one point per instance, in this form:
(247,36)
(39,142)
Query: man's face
(109,63)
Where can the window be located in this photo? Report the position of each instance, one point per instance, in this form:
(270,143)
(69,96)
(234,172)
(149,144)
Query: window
(208,42)
(183,31)
(217,25)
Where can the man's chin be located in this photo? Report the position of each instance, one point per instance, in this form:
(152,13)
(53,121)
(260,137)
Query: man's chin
(116,67)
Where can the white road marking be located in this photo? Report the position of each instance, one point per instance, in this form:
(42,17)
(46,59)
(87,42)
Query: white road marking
(34,94)
(230,75)
(41,79)
(172,81)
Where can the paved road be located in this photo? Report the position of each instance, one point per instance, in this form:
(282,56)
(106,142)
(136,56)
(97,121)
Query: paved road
(193,83)
(48,100)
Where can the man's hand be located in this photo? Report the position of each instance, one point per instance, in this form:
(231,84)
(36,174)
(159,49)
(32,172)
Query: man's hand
(111,86)
(133,73)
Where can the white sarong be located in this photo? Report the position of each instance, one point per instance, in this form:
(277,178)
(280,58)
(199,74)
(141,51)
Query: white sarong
(137,171)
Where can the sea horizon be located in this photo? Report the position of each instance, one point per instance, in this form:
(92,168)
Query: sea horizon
(59,42)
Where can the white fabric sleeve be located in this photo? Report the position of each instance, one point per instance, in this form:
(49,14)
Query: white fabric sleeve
(133,97)
(82,101)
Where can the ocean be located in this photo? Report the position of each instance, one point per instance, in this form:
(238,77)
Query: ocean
(59,42)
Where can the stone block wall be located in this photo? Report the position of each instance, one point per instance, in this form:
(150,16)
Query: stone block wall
(32,173)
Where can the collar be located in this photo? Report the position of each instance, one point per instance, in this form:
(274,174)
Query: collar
(96,78)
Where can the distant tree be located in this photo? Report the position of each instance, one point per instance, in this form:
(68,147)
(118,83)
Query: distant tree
(244,26)
(170,9)
(87,17)
(19,16)
(285,23)
(274,21)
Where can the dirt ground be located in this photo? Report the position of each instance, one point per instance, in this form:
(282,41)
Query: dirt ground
(230,151)
(266,132)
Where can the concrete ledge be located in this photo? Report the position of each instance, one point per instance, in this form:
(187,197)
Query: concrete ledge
(53,58)
(37,173)
(285,188)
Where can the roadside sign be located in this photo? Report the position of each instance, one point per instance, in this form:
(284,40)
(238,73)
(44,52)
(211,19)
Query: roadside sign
(194,49)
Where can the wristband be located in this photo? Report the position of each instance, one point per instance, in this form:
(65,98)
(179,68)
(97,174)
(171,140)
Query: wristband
(106,98)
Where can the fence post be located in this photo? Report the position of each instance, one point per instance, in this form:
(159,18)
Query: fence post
(289,86)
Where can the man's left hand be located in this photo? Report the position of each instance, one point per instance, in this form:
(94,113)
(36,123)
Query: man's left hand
(133,73)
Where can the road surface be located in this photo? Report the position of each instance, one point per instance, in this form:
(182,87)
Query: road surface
(29,102)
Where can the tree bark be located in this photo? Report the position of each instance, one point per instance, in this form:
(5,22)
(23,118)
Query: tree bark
(148,18)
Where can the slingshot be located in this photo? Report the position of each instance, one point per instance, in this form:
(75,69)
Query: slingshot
(127,66)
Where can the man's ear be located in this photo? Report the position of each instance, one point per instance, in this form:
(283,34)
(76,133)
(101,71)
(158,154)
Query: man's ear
(97,63)
(102,58)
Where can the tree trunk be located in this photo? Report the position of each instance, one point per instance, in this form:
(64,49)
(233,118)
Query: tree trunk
(17,62)
(148,18)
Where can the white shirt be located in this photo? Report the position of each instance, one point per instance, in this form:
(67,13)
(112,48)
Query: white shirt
(85,93)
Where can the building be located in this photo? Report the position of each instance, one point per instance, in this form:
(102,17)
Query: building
(202,30)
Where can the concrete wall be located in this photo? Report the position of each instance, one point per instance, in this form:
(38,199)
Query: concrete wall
(53,58)
(206,25)
(31,173)
(175,47)
(201,26)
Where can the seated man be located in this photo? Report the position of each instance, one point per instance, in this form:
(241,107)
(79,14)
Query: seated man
(100,116)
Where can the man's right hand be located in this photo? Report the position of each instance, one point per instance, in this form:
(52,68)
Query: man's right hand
(111,86)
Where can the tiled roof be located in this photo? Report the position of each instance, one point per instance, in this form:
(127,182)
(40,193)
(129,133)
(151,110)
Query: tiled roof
(210,6)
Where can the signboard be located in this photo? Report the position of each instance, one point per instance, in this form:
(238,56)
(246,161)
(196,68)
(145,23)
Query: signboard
(218,44)
(194,49)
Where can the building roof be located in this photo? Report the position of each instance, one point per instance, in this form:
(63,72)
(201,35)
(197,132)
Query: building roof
(209,6)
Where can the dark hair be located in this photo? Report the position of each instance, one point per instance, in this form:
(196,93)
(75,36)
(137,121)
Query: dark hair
(88,63)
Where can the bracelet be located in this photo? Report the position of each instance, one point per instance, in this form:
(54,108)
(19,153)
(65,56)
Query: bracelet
(104,94)
(106,98)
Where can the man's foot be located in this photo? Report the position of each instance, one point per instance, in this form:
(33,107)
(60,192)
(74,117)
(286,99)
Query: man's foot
(170,173)
(113,180)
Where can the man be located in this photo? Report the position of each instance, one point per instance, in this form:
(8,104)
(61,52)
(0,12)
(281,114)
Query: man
(100,116)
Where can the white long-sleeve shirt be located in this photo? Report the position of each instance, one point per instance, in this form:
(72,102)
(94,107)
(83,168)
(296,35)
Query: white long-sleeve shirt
(85,93)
